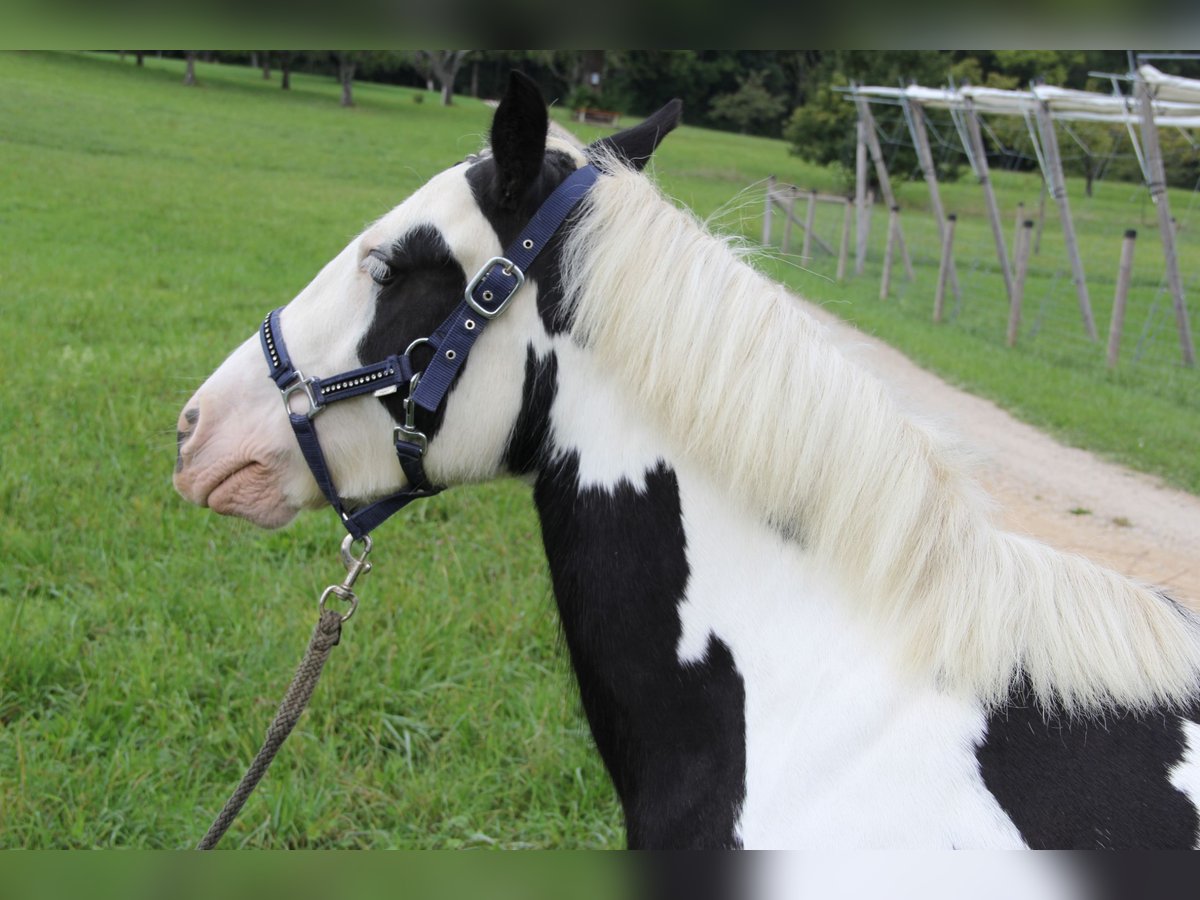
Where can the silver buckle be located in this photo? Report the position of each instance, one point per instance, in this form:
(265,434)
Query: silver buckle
(302,384)
(409,429)
(510,269)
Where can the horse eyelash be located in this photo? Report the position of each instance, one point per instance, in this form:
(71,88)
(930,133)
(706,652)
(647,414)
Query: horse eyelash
(379,270)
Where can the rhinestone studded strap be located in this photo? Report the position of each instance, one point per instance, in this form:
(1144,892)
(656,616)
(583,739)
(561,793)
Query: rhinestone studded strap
(378,378)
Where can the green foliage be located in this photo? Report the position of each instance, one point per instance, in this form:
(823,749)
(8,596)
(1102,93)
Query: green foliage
(751,108)
(1050,66)
(822,132)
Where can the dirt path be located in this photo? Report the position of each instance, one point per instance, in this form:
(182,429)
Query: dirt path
(1133,523)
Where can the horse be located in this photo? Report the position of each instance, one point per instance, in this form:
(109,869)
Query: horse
(791,617)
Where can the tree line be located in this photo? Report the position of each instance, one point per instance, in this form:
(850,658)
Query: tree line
(774,93)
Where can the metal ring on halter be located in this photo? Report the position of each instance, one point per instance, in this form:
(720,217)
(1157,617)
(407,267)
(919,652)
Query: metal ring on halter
(417,343)
(300,383)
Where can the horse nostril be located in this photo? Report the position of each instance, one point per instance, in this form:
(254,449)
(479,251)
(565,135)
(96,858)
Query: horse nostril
(187,426)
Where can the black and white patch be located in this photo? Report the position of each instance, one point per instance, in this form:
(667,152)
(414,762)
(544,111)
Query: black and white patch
(426,284)
(1096,781)
(672,735)
(529,442)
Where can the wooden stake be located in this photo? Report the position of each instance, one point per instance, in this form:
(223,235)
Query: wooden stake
(1037,241)
(1158,193)
(843,248)
(881,175)
(978,154)
(1024,245)
(893,233)
(1117,323)
(916,127)
(788,216)
(1059,190)
(946,266)
(809,220)
(1017,231)
(766,232)
(862,222)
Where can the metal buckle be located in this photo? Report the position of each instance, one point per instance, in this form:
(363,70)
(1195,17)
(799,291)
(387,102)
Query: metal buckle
(409,429)
(510,269)
(302,384)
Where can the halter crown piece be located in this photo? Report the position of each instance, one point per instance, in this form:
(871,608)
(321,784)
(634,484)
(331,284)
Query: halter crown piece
(487,295)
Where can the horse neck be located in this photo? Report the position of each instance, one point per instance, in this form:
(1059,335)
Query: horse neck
(675,604)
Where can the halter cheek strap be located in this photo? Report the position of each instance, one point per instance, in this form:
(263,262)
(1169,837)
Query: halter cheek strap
(379,379)
(487,295)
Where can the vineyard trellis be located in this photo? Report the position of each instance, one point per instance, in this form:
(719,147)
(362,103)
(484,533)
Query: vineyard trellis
(1011,282)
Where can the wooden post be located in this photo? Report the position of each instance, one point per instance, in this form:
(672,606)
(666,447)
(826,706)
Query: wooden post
(1024,245)
(810,217)
(1124,273)
(893,234)
(916,126)
(1017,231)
(1158,193)
(1058,188)
(788,216)
(945,268)
(843,248)
(862,223)
(1037,241)
(881,174)
(766,232)
(978,155)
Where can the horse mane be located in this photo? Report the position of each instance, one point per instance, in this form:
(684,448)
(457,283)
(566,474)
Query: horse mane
(744,383)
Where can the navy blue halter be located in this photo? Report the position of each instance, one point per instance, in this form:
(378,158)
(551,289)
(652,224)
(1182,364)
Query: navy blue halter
(487,295)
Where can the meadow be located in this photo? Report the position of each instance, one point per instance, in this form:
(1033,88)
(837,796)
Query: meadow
(145,228)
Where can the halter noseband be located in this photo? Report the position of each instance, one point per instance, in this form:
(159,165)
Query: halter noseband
(486,296)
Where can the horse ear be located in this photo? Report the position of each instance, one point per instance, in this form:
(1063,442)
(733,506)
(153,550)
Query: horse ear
(519,137)
(636,144)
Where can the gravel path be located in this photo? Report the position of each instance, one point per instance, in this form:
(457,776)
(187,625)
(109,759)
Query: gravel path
(1067,497)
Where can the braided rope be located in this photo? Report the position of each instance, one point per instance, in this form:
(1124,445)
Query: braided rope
(324,638)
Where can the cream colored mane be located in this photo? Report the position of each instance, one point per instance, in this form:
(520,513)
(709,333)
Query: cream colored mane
(746,385)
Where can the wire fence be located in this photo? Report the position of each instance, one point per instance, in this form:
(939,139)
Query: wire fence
(1051,323)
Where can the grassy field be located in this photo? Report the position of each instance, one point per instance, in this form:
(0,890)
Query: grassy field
(144,230)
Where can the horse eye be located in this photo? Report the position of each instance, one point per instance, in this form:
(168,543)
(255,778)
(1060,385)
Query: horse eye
(379,270)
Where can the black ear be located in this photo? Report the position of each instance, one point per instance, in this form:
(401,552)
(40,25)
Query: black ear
(636,144)
(519,137)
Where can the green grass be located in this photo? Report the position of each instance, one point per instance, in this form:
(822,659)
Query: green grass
(144,230)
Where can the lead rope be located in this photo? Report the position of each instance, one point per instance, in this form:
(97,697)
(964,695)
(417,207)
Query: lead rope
(324,638)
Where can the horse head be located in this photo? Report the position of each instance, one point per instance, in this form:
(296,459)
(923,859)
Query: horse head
(388,289)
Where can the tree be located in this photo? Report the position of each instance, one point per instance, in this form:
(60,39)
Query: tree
(750,107)
(189,75)
(266,65)
(285,69)
(347,61)
(444,66)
